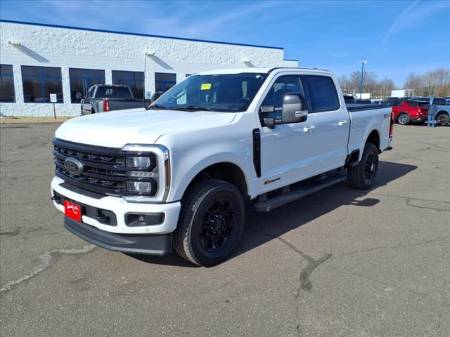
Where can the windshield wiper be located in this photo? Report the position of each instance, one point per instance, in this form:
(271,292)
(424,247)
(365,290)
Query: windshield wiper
(157,107)
(192,108)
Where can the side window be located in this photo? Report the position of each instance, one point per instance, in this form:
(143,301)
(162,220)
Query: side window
(322,93)
(274,98)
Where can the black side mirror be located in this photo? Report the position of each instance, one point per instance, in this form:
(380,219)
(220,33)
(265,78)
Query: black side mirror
(294,109)
(268,121)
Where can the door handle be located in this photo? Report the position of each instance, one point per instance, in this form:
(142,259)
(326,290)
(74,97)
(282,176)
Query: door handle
(309,128)
(340,123)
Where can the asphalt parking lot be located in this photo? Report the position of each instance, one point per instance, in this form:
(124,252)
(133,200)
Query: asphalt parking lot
(337,263)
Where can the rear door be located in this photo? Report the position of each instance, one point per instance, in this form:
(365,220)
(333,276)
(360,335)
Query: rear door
(329,124)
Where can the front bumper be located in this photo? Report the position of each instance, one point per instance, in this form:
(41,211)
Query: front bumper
(120,208)
(151,244)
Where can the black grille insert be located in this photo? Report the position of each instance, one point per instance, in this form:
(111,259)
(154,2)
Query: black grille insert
(104,169)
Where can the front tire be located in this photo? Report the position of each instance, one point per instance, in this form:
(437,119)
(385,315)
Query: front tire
(403,119)
(211,223)
(363,175)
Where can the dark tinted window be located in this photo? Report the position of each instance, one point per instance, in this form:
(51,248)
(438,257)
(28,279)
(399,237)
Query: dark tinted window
(322,93)
(81,80)
(40,82)
(113,92)
(439,101)
(7,93)
(274,98)
(134,79)
(164,81)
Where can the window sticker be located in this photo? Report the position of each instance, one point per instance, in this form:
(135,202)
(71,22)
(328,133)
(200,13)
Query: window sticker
(205,86)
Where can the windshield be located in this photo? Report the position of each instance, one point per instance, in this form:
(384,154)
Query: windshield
(225,92)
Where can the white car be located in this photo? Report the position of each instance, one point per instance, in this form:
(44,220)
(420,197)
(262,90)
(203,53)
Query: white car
(182,173)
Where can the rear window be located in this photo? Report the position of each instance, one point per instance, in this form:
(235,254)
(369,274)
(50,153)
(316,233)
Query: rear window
(322,93)
(113,92)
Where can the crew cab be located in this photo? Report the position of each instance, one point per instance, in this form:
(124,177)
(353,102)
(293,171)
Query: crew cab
(183,173)
(108,97)
(409,110)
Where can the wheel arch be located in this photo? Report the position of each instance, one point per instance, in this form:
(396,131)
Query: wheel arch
(374,138)
(224,170)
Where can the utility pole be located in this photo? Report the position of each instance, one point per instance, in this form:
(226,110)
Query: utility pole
(361,85)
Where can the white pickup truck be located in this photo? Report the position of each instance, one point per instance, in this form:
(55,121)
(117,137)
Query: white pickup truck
(183,173)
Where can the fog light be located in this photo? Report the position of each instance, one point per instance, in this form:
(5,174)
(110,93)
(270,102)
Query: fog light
(139,186)
(144,219)
(139,162)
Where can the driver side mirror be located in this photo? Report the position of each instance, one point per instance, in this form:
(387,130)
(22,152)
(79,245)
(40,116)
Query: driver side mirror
(294,110)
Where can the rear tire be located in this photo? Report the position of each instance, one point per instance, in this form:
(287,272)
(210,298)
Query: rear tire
(363,175)
(442,119)
(403,119)
(211,223)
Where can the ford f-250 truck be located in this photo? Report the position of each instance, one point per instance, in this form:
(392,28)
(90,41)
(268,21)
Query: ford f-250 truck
(109,97)
(182,173)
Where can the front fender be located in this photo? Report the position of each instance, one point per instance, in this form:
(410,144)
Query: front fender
(183,177)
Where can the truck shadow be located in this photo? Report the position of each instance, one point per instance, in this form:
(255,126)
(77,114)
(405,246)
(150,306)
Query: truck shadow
(264,227)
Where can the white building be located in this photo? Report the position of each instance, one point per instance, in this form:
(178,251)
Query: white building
(402,93)
(37,60)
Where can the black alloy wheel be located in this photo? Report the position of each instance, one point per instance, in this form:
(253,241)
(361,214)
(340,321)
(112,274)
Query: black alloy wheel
(211,222)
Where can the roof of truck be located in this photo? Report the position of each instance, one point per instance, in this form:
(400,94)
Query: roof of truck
(262,70)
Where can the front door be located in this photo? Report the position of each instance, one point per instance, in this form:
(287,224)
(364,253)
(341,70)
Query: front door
(285,149)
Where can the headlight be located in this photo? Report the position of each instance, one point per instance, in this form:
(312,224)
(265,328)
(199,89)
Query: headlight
(148,171)
(139,162)
(140,187)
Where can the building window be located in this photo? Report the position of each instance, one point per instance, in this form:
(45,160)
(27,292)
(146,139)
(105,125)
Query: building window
(7,93)
(134,79)
(81,80)
(40,82)
(187,75)
(164,81)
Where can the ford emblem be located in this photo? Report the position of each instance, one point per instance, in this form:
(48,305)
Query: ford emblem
(74,166)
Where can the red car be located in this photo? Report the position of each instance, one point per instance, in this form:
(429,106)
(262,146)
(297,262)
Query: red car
(408,111)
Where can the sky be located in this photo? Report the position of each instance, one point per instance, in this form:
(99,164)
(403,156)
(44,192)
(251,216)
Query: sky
(395,37)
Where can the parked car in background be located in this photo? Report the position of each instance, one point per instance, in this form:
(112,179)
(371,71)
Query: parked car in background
(349,99)
(182,175)
(407,111)
(109,97)
(442,111)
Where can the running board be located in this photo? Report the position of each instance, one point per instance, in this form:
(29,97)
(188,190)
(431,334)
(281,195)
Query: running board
(299,191)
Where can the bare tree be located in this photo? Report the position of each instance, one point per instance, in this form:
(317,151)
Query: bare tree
(350,84)
(436,82)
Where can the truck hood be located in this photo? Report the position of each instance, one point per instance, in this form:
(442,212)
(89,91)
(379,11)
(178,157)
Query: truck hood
(137,126)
